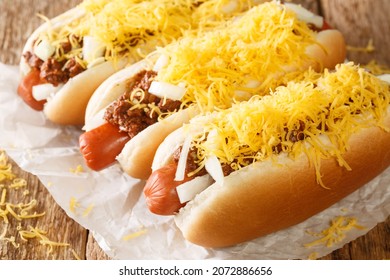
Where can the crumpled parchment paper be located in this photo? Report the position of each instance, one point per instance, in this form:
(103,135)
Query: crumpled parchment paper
(111,205)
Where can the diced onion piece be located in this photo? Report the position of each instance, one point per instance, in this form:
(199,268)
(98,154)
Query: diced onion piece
(242,94)
(385,77)
(181,165)
(92,48)
(305,15)
(214,168)
(230,7)
(44,50)
(188,190)
(253,84)
(96,121)
(43,91)
(160,63)
(166,90)
(25,68)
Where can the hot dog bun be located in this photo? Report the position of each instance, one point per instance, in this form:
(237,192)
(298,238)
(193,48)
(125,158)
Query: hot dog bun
(137,156)
(61,108)
(276,193)
(267,198)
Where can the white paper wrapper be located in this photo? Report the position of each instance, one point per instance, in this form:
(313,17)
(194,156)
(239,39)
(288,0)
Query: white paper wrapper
(111,204)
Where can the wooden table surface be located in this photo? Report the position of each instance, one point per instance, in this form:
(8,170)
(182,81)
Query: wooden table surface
(359,20)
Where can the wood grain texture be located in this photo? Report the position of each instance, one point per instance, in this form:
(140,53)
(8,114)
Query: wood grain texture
(18,19)
(58,226)
(361,21)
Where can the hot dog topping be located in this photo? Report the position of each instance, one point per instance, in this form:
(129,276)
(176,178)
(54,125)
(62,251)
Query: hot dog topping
(131,24)
(315,116)
(252,55)
(137,109)
(215,66)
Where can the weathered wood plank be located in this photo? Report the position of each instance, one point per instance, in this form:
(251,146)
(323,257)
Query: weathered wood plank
(360,21)
(18,20)
(57,225)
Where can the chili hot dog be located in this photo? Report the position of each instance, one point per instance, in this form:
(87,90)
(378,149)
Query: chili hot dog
(273,161)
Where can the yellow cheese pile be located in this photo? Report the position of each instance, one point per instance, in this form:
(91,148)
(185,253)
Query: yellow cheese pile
(336,232)
(17,217)
(131,27)
(333,104)
(375,68)
(248,56)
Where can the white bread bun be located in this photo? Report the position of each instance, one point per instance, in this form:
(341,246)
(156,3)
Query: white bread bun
(264,197)
(68,105)
(330,50)
(137,156)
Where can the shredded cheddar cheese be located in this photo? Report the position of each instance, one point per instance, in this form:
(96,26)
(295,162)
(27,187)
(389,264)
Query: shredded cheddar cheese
(375,68)
(219,67)
(335,233)
(367,49)
(88,210)
(132,28)
(315,116)
(77,170)
(5,168)
(313,256)
(16,217)
(134,235)
(75,206)
(34,232)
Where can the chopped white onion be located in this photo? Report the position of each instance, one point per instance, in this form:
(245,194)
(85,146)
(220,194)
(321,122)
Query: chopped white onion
(44,50)
(160,63)
(242,94)
(305,15)
(188,190)
(214,168)
(253,84)
(166,90)
(43,91)
(181,165)
(96,121)
(92,48)
(385,77)
(25,68)
(230,7)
